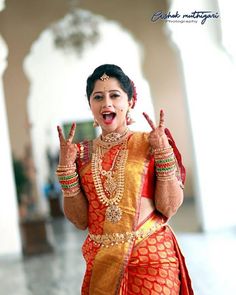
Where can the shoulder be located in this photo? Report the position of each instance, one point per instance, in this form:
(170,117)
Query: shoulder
(138,135)
(139,141)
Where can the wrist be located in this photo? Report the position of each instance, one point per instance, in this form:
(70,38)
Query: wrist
(165,164)
(68,179)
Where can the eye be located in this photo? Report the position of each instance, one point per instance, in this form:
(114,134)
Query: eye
(97,97)
(114,95)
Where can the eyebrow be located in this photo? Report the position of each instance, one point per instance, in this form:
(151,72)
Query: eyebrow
(108,91)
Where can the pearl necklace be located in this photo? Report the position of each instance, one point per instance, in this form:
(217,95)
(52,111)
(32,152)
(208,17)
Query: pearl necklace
(111,193)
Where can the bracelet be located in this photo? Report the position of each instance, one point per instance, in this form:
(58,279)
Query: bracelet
(162,149)
(66,166)
(64,169)
(71,194)
(62,177)
(165,164)
(171,177)
(67,186)
(70,180)
(65,173)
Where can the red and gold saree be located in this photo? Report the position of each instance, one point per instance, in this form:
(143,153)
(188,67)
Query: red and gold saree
(127,257)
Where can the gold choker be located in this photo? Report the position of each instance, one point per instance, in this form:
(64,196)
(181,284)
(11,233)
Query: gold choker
(114,136)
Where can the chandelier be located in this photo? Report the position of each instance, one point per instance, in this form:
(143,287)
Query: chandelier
(78,29)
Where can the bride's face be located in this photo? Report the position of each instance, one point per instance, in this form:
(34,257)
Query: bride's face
(109,104)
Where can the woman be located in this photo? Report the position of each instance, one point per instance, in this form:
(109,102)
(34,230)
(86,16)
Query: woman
(123,187)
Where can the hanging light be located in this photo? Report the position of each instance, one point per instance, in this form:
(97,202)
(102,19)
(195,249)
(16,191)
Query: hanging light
(78,29)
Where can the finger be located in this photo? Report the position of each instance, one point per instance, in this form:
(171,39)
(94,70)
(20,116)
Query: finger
(60,134)
(150,122)
(162,119)
(72,132)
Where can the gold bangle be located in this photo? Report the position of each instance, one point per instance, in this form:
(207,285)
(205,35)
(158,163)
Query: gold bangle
(167,178)
(66,172)
(162,150)
(66,166)
(72,194)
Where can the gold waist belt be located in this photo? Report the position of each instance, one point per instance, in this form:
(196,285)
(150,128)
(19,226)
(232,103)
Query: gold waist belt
(112,239)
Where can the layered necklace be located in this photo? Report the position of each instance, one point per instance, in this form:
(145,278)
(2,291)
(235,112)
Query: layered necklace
(110,191)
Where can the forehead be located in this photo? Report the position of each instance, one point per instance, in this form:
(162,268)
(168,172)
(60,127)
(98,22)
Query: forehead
(110,84)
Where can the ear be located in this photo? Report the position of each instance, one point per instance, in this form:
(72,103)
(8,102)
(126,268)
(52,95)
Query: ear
(131,102)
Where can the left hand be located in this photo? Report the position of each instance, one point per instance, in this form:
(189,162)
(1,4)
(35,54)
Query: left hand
(157,137)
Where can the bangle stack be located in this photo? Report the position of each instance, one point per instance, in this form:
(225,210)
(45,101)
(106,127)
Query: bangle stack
(69,180)
(165,163)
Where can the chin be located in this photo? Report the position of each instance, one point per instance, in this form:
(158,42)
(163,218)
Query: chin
(109,128)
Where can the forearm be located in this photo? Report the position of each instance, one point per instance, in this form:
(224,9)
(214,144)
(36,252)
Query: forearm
(169,192)
(76,210)
(74,201)
(168,197)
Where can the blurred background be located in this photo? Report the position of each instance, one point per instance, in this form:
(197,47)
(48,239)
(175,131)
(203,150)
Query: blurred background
(185,65)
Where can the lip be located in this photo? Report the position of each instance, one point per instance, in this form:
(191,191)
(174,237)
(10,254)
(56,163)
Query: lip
(108,117)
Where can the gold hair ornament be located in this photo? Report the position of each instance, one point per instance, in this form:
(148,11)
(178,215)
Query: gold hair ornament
(104,77)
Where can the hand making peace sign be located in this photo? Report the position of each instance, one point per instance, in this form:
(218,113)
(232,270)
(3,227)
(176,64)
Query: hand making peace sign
(68,150)
(157,137)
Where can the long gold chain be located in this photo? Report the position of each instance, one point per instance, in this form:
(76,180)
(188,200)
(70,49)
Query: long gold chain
(111,193)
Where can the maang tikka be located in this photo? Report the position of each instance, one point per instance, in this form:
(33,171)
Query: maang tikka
(104,77)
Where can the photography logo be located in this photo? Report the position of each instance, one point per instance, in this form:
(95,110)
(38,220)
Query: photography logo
(197,16)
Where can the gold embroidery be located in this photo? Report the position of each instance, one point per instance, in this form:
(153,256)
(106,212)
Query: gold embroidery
(113,239)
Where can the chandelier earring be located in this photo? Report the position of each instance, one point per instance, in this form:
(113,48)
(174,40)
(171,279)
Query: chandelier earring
(95,124)
(129,119)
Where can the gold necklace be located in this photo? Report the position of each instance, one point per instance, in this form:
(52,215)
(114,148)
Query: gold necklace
(113,140)
(114,136)
(111,193)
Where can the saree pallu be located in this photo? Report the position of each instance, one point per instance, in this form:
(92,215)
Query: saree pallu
(120,268)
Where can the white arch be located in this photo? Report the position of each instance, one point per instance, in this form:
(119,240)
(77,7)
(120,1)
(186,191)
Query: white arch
(57,91)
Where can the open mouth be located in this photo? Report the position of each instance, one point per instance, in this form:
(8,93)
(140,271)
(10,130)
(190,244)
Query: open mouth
(108,117)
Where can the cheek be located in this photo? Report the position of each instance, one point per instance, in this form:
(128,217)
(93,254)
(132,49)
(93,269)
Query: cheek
(122,106)
(93,108)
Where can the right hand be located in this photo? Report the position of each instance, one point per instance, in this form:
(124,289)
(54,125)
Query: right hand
(68,150)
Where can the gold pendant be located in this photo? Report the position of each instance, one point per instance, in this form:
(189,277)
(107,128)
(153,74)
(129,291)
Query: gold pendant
(113,213)
(110,185)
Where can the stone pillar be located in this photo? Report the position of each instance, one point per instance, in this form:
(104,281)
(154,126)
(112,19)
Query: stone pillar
(10,244)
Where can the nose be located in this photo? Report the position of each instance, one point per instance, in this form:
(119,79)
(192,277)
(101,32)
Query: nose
(107,103)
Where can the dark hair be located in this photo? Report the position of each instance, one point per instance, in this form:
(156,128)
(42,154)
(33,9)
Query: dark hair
(112,71)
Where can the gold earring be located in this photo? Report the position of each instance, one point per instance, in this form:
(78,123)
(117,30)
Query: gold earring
(129,119)
(95,124)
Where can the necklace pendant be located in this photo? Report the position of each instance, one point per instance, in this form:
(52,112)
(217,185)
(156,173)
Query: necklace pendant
(110,185)
(113,213)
